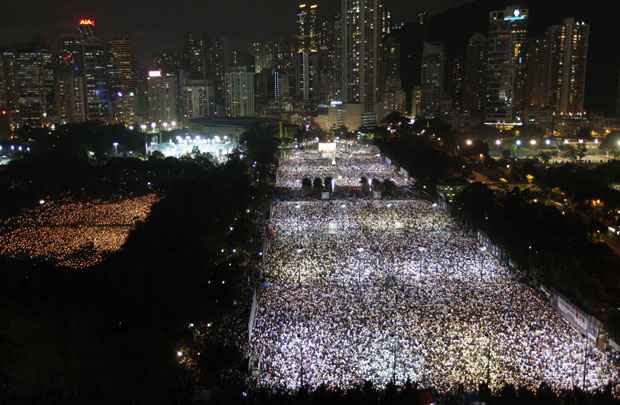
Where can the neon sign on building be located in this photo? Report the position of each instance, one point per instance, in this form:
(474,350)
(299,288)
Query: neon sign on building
(87,21)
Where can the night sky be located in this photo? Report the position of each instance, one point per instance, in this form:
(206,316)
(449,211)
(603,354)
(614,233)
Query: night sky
(160,23)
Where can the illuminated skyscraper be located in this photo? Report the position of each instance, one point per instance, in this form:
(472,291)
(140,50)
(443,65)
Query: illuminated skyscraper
(475,80)
(69,96)
(240,92)
(34,85)
(433,71)
(94,69)
(87,28)
(197,99)
(506,54)
(307,51)
(456,83)
(361,55)
(394,97)
(194,56)
(3,90)
(96,89)
(8,73)
(537,83)
(330,65)
(263,52)
(162,96)
(71,53)
(216,69)
(123,83)
(568,88)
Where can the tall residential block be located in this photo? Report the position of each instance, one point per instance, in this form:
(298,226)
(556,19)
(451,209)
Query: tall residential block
(239,86)
(362,50)
(506,63)
(433,81)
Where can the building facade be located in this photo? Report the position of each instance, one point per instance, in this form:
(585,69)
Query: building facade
(240,98)
(34,86)
(506,64)
(362,51)
(197,99)
(475,74)
(433,71)
(568,92)
(122,81)
(307,52)
(162,96)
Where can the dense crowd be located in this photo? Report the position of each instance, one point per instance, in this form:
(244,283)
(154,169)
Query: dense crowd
(75,235)
(386,291)
(346,167)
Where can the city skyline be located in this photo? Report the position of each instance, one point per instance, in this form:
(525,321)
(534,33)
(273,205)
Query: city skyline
(356,54)
(166,20)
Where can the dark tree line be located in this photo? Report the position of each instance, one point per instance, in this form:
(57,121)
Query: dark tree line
(110,334)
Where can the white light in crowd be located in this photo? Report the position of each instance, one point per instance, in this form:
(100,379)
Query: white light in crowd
(174,123)
(469,142)
(131,127)
(581,141)
(519,142)
(498,142)
(179,353)
(533,142)
(153,125)
(41,202)
(143,127)
(155,73)
(548,142)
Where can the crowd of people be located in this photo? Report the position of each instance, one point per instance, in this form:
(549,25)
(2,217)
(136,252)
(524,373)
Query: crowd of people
(346,167)
(73,234)
(394,291)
